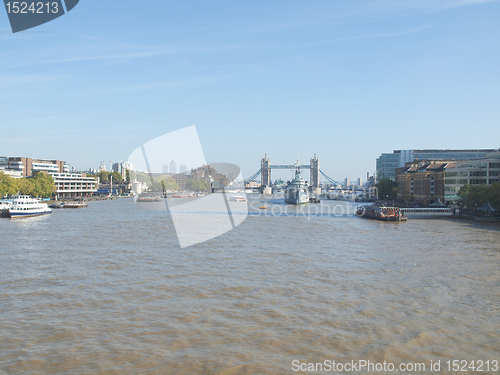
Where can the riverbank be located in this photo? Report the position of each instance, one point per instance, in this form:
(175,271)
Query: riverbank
(470,217)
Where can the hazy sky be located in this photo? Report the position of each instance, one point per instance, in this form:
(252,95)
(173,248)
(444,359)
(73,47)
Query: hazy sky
(347,80)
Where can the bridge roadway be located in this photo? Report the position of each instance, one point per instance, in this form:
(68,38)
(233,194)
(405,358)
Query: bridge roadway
(290,166)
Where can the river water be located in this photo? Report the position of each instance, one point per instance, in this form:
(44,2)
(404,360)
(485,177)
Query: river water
(108,290)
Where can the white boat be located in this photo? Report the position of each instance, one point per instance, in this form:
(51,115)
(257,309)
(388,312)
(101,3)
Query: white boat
(26,206)
(4,205)
(4,208)
(238,198)
(78,204)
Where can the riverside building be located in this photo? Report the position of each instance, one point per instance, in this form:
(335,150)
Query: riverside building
(68,185)
(424,181)
(387,164)
(74,185)
(29,167)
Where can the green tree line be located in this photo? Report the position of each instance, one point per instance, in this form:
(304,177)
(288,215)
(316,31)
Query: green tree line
(41,185)
(474,196)
(155,183)
(197,185)
(106,176)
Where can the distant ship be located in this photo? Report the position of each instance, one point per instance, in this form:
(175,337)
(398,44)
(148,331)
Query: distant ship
(297,190)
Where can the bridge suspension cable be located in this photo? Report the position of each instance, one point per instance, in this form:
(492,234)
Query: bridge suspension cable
(253,177)
(329,179)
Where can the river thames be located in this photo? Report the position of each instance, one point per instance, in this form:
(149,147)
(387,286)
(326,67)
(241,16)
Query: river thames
(108,290)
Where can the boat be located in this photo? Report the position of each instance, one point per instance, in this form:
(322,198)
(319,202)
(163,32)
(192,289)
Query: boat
(238,198)
(379,211)
(297,190)
(4,208)
(57,205)
(26,206)
(78,204)
(149,199)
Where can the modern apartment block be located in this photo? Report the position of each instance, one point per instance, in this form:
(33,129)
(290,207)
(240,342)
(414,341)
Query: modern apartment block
(387,164)
(425,181)
(68,185)
(471,172)
(29,167)
(121,167)
(74,185)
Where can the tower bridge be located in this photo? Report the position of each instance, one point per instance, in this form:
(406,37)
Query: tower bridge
(313,166)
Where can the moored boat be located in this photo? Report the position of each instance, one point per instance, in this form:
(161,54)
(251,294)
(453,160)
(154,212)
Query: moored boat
(78,204)
(26,206)
(297,191)
(380,211)
(57,205)
(238,198)
(148,199)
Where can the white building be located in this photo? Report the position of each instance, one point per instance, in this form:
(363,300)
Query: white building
(121,167)
(73,185)
(11,173)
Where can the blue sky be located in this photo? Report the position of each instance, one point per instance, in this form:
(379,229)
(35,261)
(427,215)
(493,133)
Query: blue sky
(347,80)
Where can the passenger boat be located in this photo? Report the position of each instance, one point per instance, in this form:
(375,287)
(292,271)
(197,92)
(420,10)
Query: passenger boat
(79,204)
(26,206)
(149,199)
(57,205)
(380,211)
(238,198)
(296,190)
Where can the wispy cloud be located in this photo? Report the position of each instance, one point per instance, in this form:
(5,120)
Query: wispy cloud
(168,84)
(369,35)
(356,12)
(140,53)
(425,5)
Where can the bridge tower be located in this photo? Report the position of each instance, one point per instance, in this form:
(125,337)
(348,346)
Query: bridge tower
(314,172)
(265,170)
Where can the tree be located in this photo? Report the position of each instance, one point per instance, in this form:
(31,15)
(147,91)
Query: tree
(197,185)
(43,185)
(103,176)
(168,183)
(8,185)
(474,196)
(387,189)
(26,186)
(117,177)
(127,175)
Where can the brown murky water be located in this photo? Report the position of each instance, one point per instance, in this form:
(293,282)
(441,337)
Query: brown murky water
(107,290)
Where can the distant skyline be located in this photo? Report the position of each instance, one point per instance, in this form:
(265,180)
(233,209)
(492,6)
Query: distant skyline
(345,80)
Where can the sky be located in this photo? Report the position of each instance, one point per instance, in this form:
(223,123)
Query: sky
(347,80)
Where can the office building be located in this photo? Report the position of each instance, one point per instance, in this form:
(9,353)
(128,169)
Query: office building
(424,181)
(29,167)
(387,164)
(471,172)
(172,167)
(122,167)
(73,185)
